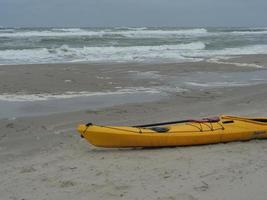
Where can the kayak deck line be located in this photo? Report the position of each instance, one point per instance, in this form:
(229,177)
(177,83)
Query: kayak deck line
(211,119)
(155,128)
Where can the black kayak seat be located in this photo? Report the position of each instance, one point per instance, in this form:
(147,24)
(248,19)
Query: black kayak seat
(160,129)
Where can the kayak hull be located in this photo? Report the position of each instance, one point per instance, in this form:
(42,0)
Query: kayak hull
(227,129)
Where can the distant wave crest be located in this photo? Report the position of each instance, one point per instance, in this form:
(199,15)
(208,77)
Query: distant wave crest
(124,32)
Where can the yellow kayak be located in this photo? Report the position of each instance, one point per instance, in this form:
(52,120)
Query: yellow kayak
(181,133)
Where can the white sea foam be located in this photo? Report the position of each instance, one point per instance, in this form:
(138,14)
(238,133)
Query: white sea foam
(131,28)
(245,50)
(146,75)
(237,32)
(123,44)
(162,33)
(24,97)
(6,30)
(130,32)
(217,84)
(95,54)
(68,29)
(58,33)
(250,32)
(190,52)
(178,53)
(220,60)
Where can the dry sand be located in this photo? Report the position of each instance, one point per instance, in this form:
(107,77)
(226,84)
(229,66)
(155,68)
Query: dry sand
(42,157)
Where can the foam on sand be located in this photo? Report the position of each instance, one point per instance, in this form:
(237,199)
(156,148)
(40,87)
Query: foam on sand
(217,84)
(220,60)
(24,97)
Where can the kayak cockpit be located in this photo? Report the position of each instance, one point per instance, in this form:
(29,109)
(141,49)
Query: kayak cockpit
(263,120)
(159,129)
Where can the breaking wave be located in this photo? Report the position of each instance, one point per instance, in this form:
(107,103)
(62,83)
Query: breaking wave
(127,44)
(96,54)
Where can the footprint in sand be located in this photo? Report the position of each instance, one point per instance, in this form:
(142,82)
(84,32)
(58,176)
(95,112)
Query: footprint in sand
(27,170)
(203,187)
(64,184)
(182,196)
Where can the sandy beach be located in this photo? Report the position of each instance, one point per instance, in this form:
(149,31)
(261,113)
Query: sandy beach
(43,157)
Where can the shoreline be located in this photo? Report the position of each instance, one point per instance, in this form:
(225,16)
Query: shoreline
(27,88)
(43,157)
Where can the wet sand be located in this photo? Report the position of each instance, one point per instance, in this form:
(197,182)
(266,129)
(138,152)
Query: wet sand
(42,157)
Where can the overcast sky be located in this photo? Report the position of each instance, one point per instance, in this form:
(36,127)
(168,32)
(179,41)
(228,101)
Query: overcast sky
(88,13)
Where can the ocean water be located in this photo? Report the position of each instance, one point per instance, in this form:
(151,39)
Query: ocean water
(125,44)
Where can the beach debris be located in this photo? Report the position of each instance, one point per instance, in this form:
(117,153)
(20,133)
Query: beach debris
(67,81)
(27,169)
(10,125)
(68,183)
(203,187)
